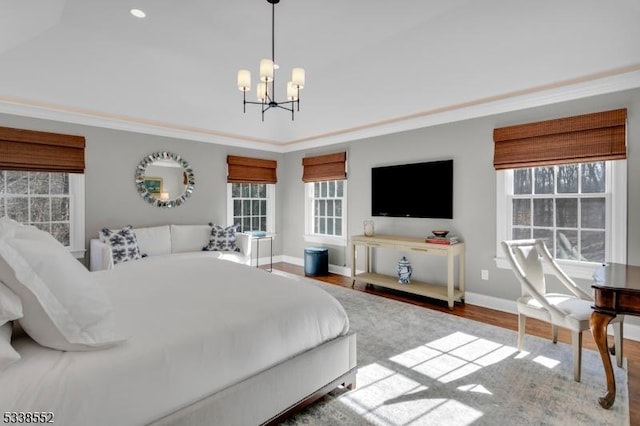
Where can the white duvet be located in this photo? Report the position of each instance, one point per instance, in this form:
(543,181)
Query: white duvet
(196,325)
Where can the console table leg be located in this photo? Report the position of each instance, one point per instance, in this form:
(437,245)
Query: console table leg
(598,323)
(450,283)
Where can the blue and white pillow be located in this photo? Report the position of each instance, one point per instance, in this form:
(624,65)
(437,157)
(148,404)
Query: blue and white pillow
(123,244)
(222,239)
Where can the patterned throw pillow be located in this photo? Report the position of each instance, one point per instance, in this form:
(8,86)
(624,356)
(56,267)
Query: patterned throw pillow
(123,243)
(222,239)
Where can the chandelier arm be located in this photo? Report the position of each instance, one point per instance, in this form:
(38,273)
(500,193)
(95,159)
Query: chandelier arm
(283,107)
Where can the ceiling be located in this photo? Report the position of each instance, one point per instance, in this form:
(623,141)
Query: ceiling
(373,66)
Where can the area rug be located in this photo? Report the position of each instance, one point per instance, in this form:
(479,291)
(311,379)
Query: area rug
(422,367)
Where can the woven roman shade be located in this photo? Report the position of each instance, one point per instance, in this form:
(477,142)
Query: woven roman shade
(29,150)
(325,167)
(584,138)
(251,170)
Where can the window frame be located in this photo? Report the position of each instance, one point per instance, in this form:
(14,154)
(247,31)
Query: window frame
(76,213)
(271,205)
(309,235)
(616,225)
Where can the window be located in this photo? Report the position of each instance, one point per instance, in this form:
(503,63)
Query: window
(577,209)
(53,202)
(326,211)
(251,206)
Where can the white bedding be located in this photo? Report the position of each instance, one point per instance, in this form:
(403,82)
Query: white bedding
(196,325)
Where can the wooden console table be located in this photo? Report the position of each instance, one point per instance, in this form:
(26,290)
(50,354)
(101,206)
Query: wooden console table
(449,292)
(616,292)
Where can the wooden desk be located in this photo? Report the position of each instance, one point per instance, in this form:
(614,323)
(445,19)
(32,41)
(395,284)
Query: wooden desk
(616,292)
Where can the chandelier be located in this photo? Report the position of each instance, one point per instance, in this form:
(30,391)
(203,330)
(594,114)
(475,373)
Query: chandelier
(266,87)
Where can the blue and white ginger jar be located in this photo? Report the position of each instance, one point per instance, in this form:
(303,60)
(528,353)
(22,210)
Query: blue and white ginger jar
(404,271)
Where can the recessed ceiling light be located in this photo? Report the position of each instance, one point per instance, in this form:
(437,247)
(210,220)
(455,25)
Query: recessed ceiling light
(137,13)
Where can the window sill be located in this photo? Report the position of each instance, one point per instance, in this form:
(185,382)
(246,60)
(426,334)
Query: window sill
(323,239)
(580,270)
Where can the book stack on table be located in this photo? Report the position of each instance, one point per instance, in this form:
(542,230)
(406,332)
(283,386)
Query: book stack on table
(442,240)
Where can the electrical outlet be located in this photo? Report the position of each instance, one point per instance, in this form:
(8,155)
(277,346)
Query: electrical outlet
(484,274)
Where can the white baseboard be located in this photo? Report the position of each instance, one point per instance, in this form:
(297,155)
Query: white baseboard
(631,331)
(334,269)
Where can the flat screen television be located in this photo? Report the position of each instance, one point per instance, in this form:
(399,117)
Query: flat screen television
(413,190)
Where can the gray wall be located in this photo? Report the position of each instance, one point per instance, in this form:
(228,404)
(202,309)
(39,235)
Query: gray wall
(111,158)
(112,201)
(470,144)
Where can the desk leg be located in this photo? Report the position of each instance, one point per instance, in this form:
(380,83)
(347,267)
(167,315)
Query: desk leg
(598,324)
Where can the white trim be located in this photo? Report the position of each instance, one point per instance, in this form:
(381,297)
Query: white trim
(502,216)
(299,261)
(77,209)
(619,215)
(616,226)
(523,99)
(309,236)
(324,239)
(610,81)
(76,198)
(271,207)
(490,302)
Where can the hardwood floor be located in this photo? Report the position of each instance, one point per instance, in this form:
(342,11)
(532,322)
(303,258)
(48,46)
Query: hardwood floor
(498,318)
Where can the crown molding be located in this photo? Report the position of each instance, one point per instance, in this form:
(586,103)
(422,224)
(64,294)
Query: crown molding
(611,81)
(618,80)
(45,111)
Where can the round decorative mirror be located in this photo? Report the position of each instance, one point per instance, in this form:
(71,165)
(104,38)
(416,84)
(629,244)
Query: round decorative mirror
(164,179)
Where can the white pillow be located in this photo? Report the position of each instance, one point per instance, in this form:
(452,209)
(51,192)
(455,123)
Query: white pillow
(7,226)
(122,242)
(64,308)
(10,309)
(8,355)
(10,305)
(11,228)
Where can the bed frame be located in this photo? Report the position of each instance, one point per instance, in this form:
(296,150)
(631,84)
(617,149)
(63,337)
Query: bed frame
(274,394)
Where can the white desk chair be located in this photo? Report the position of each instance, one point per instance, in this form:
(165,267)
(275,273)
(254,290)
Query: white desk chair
(570,311)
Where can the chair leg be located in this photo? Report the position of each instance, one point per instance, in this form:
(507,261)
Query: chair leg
(554,333)
(617,341)
(576,342)
(522,325)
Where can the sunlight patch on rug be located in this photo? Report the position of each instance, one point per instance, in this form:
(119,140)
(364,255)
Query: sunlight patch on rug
(386,396)
(422,367)
(547,362)
(454,356)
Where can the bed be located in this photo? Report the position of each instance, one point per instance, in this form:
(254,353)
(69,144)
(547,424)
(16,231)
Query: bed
(208,342)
